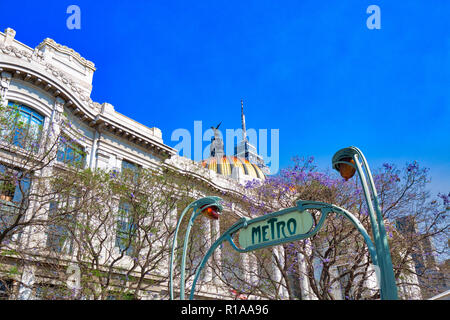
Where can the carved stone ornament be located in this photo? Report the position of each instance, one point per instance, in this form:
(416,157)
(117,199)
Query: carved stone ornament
(59,108)
(38,57)
(4,83)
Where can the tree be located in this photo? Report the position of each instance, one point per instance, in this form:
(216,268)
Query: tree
(115,228)
(120,231)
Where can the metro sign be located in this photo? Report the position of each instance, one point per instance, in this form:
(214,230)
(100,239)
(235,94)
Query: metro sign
(275,228)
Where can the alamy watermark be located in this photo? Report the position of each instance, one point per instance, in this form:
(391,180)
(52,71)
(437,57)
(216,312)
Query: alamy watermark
(374,20)
(74,20)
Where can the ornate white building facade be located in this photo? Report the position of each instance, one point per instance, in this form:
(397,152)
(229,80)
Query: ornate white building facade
(52,79)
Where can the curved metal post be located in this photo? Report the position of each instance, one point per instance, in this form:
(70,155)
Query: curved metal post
(388,287)
(202,204)
(388,270)
(194,215)
(373,222)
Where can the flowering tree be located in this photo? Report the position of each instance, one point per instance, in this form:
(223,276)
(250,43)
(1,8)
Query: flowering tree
(55,215)
(120,232)
(335,263)
(115,228)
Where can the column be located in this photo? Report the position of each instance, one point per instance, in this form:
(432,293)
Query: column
(246,267)
(282,292)
(53,127)
(173,242)
(253,262)
(27,283)
(335,287)
(217,255)
(307,293)
(281,253)
(250,270)
(303,273)
(93,153)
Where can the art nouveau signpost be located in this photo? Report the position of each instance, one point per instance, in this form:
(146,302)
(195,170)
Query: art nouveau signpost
(276,228)
(293,224)
(279,227)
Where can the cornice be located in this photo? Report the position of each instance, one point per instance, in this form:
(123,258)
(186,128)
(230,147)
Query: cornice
(134,137)
(37,57)
(29,65)
(196,172)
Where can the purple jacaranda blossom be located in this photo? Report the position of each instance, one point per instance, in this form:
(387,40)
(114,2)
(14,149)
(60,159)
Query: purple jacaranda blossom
(413,166)
(445,198)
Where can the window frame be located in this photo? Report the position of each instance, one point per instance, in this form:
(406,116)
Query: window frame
(129,167)
(32,116)
(6,288)
(10,208)
(77,151)
(59,238)
(125,229)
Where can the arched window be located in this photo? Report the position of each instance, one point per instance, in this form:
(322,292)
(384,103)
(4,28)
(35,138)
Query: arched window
(24,126)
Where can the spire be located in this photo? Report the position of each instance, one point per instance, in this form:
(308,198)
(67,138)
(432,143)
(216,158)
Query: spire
(244,134)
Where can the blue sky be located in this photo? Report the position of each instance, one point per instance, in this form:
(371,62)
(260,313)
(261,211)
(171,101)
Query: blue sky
(311,69)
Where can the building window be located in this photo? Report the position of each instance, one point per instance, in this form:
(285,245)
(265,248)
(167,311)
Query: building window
(130,170)
(5,289)
(14,189)
(70,152)
(14,185)
(129,166)
(25,126)
(59,234)
(7,189)
(126,229)
(126,165)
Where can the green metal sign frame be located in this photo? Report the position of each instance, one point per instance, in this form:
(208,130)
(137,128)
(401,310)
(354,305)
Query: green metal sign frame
(278,227)
(300,208)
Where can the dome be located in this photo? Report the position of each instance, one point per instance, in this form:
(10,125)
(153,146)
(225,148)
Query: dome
(225,165)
